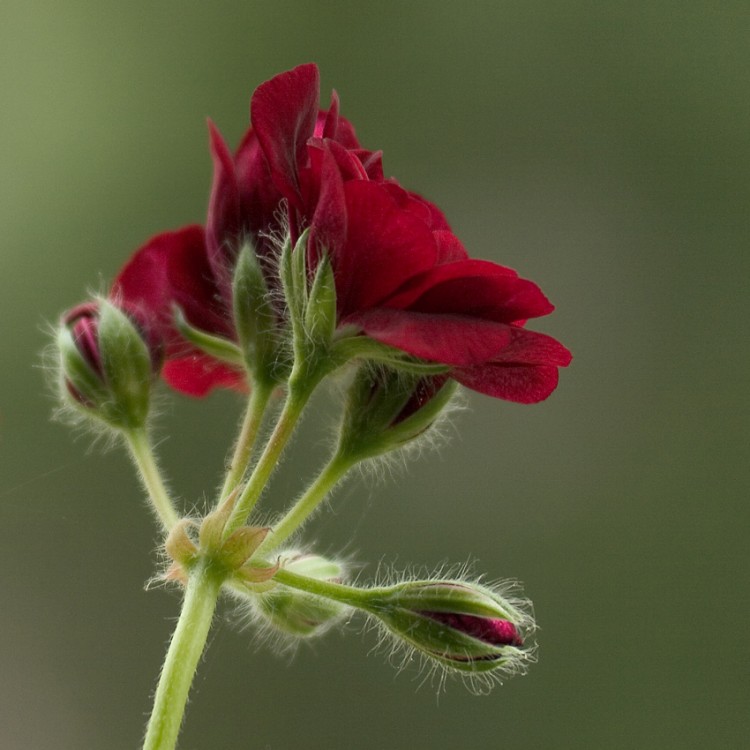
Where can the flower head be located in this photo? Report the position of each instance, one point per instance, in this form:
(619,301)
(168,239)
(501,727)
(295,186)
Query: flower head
(401,277)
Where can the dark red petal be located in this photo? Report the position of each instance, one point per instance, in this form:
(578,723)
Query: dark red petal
(532,348)
(330,124)
(284,112)
(143,283)
(330,119)
(192,285)
(480,289)
(450,248)
(472,287)
(196,375)
(328,226)
(429,213)
(259,196)
(523,384)
(525,371)
(372,163)
(448,339)
(223,225)
(385,246)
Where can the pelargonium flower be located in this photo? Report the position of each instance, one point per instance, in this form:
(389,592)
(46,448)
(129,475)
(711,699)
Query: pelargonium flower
(402,277)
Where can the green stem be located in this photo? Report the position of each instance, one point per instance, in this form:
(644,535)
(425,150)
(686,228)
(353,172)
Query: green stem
(143,456)
(339,592)
(256,409)
(307,503)
(295,403)
(185,649)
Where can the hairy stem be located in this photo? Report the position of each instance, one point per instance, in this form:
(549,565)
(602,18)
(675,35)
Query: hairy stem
(185,649)
(332,473)
(256,409)
(143,457)
(339,592)
(295,403)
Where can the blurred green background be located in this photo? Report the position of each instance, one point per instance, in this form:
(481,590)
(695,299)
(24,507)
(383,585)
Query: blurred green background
(601,148)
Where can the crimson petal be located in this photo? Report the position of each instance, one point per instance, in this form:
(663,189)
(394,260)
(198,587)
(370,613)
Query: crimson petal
(284,112)
(449,339)
(385,246)
(143,283)
(525,371)
(197,375)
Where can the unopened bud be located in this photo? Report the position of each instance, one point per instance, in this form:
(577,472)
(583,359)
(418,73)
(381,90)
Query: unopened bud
(463,626)
(387,409)
(299,613)
(108,363)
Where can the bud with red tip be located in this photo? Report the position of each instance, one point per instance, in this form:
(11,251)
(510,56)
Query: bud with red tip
(108,362)
(460,625)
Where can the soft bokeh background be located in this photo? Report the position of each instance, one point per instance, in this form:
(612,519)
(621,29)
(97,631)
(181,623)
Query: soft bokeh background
(601,148)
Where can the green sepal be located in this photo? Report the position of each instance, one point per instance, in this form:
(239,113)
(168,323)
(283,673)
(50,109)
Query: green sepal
(254,317)
(454,596)
(320,313)
(293,272)
(74,369)
(349,345)
(215,346)
(127,365)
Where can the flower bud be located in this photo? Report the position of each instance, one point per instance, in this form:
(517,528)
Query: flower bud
(463,626)
(108,363)
(299,613)
(387,409)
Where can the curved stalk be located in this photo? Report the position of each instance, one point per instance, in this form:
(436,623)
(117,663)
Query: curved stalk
(143,457)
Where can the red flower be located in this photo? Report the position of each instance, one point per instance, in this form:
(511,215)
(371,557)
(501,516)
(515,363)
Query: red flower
(402,277)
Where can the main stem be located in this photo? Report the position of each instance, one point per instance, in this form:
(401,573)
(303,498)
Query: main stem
(143,457)
(256,408)
(307,503)
(185,649)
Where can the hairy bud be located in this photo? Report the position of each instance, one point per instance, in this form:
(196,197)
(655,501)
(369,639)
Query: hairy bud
(108,363)
(462,626)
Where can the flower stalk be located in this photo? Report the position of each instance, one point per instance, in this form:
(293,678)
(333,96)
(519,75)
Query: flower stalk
(243,450)
(269,459)
(183,656)
(139,445)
